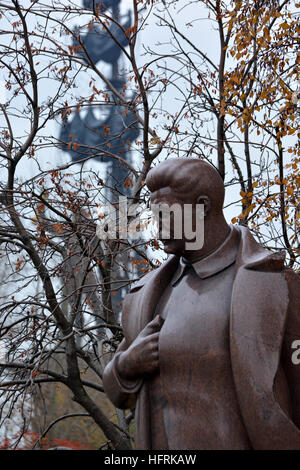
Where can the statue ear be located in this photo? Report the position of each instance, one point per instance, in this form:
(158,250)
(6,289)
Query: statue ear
(205,200)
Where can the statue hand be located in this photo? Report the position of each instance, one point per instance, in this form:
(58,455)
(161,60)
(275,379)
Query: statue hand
(142,355)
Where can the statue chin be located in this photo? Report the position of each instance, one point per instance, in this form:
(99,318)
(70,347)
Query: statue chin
(173,247)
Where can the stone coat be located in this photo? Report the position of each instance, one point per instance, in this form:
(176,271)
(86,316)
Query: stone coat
(264,321)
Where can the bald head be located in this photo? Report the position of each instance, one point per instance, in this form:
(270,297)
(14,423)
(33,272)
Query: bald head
(187,179)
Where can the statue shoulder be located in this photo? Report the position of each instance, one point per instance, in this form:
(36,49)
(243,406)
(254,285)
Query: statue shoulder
(136,285)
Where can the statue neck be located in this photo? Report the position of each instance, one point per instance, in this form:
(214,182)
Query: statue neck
(215,233)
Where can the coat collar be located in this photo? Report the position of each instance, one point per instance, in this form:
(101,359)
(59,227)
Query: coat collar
(250,254)
(224,256)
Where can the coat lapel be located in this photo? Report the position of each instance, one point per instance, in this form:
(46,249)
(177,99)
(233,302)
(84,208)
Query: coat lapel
(142,299)
(138,310)
(258,315)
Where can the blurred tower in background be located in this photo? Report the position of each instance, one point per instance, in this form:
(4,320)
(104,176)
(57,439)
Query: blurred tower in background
(116,129)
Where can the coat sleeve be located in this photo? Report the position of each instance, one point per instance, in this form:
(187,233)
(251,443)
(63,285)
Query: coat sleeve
(291,345)
(122,393)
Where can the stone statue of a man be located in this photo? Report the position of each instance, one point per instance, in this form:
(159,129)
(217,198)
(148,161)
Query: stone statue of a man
(209,336)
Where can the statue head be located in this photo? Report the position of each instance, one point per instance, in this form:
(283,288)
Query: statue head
(186,182)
